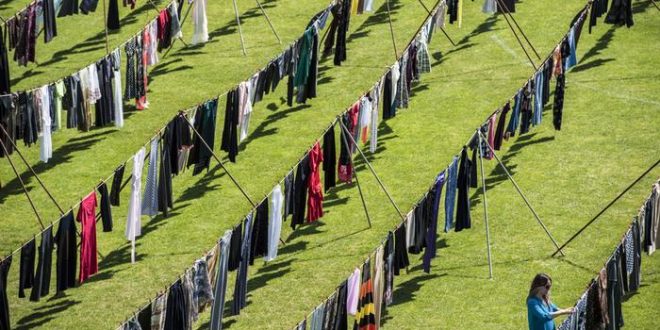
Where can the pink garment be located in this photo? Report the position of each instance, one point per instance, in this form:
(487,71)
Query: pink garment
(353,292)
(492,121)
(345,171)
(87,218)
(315,188)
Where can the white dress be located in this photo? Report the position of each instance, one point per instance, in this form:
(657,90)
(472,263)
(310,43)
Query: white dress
(201,33)
(46,144)
(133,223)
(275,222)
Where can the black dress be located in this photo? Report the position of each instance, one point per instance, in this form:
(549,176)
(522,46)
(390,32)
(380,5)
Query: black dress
(67,252)
(5,264)
(300,192)
(26,273)
(41,285)
(463,219)
(329,158)
(106,210)
(5,80)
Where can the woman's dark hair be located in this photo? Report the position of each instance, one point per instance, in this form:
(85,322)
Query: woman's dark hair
(539,281)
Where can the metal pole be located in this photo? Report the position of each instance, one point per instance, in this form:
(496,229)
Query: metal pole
(31,170)
(538,219)
(268,20)
(507,11)
(515,34)
(655,4)
(607,207)
(238,22)
(483,186)
(105,25)
(403,217)
(389,18)
(354,173)
(219,161)
(441,29)
(22,184)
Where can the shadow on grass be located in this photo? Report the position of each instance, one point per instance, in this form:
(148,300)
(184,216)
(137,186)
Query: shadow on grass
(61,155)
(262,130)
(497,175)
(231,26)
(602,44)
(380,16)
(406,292)
(44,314)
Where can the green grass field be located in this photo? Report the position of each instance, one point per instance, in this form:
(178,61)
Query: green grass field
(609,137)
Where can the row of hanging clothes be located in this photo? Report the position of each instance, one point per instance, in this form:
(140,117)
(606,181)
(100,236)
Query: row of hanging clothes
(91,97)
(73,257)
(599,307)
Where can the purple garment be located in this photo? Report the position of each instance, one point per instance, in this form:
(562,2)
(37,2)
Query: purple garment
(353,292)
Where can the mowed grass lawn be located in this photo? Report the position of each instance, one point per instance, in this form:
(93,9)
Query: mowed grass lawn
(609,137)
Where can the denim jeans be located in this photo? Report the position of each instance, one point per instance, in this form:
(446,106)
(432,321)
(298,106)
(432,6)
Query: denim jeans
(221,281)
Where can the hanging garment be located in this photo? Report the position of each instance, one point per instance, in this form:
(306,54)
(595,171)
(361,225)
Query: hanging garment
(329,158)
(289,200)
(365,318)
(558,105)
(315,189)
(67,253)
(235,248)
(379,283)
(200,154)
(365,118)
(113,16)
(614,291)
(117,180)
(259,239)
(341,313)
(353,292)
(450,194)
(501,123)
(490,144)
(400,252)
(27,38)
(5,322)
(244,108)
(275,222)
(507,6)
(221,281)
(229,133)
(165,172)
(87,218)
(525,109)
(106,210)
(117,97)
(132,55)
(175,25)
(300,192)
(200,34)
(68,7)
(316,322)
(452,10)
(158,312)
(342,31)
(26,272)
(58,93)
(50,24)
(515,116)
(41,284)
(304,60)
(240,289)
(489,7)
(571,59)
(620,13)
(45,141)
(189,301)
(142,59)
(375,95)
(388,97)
(176,314)
(388,259)
(8,121)
(538,98)
(150,197)
(431,234)
(133,222)
(163,27)
(331,306)
(463,219)
(87,6)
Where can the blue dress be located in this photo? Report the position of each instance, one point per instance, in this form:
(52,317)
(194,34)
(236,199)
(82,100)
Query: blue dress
(538,314)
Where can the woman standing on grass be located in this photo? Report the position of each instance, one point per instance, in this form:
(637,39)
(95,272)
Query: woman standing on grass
(540,311)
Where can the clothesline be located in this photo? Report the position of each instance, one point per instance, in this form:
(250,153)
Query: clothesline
(118,47)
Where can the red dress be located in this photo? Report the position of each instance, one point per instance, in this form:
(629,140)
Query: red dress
(87,218)
(315,189)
